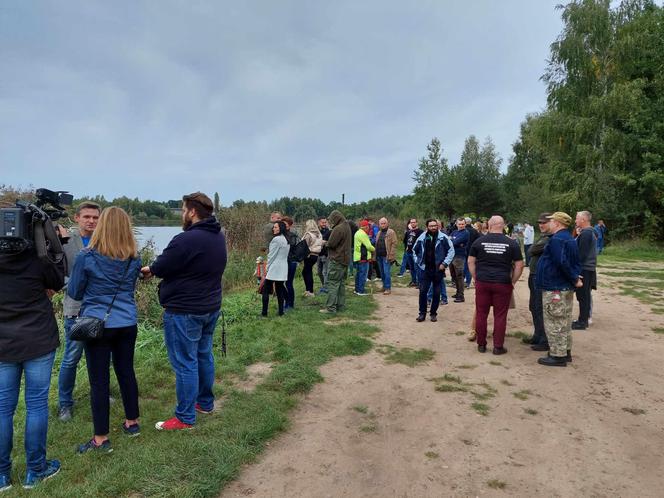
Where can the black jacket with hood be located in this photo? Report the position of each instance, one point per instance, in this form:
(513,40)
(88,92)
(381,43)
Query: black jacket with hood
(28,328)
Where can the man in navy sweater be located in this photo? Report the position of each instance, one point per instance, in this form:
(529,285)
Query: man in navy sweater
(190,293)
(460,238)
(558,274)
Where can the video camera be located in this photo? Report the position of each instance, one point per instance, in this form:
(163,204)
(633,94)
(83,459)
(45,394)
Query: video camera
(32,225)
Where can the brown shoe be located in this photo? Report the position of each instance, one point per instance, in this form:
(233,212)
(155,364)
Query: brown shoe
(387,292)
(472,335)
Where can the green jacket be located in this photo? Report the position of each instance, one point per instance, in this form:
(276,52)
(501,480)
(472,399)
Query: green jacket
(363,250)
(536,251)
(341,241)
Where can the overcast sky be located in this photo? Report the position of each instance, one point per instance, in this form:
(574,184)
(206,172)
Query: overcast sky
(259,99)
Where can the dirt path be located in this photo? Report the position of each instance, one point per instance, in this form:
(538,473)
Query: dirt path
(595,428)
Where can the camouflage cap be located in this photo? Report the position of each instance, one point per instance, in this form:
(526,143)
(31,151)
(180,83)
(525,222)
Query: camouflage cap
(543,218)
(563,218)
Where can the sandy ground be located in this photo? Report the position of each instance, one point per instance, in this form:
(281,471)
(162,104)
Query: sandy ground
(416,442)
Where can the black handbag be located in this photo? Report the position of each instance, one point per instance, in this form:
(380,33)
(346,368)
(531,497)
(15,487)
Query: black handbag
(87,328)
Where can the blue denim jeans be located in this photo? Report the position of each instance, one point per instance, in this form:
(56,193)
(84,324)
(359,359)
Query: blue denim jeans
(70,358)
(37,382)
(189,345)
(466,272)
(443,292)
(414,269)
(290,290)
(404,264)
(361,271)
(385,272)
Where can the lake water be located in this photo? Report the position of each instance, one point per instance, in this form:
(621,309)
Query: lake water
(160,235)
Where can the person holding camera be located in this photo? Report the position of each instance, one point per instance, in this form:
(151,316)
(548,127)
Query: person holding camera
(28,340)
(104,280)
(86,217)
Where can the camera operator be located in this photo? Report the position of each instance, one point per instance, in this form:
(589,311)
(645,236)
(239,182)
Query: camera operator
(28,340)
(86,218)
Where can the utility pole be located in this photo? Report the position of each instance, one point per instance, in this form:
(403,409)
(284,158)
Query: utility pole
(343,199)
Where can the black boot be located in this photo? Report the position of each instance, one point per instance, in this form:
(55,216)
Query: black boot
(481,349)
(579,325)
(553,361)
(540,347)
(421,318)
(568,358)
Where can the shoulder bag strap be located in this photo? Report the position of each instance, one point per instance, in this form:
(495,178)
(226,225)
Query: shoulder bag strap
(110,306)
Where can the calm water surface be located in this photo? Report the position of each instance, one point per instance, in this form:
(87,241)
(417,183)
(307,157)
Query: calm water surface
(160,235)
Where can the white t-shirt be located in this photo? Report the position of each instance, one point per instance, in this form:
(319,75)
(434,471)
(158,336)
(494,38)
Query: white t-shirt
(528,235)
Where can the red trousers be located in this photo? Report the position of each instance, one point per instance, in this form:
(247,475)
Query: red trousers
(489,294)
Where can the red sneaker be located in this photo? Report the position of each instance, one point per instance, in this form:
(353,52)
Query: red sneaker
(172,424)
(200,409)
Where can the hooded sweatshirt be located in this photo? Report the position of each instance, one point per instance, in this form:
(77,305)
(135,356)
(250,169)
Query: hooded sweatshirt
(340,241)
(28,328)
(191,267)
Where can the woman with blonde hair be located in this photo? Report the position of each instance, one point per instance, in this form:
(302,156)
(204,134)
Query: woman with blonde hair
(104,279)
(314,240)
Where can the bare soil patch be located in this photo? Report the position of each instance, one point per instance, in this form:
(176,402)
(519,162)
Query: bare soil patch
(510,428)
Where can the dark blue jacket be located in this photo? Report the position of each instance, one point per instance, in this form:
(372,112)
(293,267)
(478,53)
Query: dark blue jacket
(460,239)
(191,268)
(443,250)
(559,267)
(95,278)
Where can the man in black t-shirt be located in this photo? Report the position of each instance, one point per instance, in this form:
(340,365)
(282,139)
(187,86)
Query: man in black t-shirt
(496,263)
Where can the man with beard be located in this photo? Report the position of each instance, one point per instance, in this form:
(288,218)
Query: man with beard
(191,268)
(433,253)
(538,341)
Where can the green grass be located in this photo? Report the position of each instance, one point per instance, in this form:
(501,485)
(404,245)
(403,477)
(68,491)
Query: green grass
(519,334)
(451,388)
(647,275)
(495,363)
(523,394)
(405,356)
(633,250)
(364,409)
(496,484)
(506,382)
(432,455)
(467,367)
(658,330)
(481,408)
(530,411)
(198,463)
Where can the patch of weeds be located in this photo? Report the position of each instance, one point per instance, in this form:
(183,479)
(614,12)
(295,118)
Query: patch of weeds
(519,334)
(459,332)
(405,356)
(368,428)
(481,408)
(451,378)
(634,411)
(523,394)
(658,330)
(506,382)
(496,484)
(467,367)
(495,363)
(361,409)
(530,411)
(431,454)
(451,388)
(489,392)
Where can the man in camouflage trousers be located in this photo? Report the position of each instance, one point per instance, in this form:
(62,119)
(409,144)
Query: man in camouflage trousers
(558,274)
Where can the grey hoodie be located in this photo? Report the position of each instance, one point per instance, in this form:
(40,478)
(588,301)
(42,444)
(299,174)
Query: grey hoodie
(71,307)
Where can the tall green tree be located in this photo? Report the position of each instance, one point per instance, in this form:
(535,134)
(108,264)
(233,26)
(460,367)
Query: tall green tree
(433,182)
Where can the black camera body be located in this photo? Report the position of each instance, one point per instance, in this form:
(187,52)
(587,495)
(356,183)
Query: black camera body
(31,224)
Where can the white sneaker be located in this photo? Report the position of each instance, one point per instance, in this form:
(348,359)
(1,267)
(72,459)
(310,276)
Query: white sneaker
(590,321)
(360,293)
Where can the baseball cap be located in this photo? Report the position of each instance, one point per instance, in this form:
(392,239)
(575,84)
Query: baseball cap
(543,218)
(563,218)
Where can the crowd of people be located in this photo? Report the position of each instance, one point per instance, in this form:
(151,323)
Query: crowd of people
(561,263)
(101,268)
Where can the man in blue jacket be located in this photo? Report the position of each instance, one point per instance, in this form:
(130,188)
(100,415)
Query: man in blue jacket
(460,238)
(433,252)
(558,274)
(190,293)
